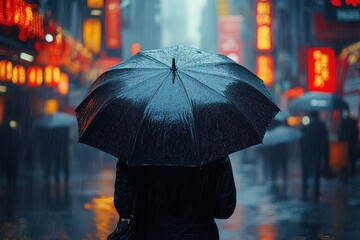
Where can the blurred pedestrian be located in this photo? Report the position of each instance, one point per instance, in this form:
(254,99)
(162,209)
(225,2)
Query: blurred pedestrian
(54,144)
(348,132)
(174,202)
(314,153)
(9,152)
(276,157)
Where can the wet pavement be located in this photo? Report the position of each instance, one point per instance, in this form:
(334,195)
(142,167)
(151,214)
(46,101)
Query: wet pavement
(36,210)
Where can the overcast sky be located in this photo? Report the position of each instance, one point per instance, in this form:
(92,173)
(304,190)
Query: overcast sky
(179,15)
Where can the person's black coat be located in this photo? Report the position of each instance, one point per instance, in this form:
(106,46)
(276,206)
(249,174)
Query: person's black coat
(315,144)
(176,202)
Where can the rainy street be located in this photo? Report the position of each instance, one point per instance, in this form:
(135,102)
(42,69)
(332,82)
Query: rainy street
(180,119)
(87,212)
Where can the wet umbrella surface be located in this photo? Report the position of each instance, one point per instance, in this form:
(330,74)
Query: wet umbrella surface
(176,107)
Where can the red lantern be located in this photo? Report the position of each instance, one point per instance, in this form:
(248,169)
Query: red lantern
(52,76)
(35,76)
(6,70)
(19,75)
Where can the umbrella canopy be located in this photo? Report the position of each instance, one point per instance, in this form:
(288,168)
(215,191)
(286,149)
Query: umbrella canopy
(176,106)
(314,101)
(57,120)
(281,134)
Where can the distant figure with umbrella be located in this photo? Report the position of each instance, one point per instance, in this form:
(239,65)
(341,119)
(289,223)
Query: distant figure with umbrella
(348,132)
(171,117)
(275,150)
(314,153)
(53,137)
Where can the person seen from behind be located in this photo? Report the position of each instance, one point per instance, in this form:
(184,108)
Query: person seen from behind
(172,203)
(314,153)
(348,132)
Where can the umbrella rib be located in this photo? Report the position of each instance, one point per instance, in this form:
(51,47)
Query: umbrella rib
(143,118)
(214,90)
(152,58)
(193,119)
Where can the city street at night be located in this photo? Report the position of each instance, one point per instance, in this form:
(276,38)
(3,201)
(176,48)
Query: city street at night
(261,212)
(179,119)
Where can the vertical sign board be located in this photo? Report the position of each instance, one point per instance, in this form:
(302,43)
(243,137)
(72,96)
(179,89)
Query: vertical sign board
(229,43)
(113,24)
(321,70)
(92,34)
(265,69)
(264,61)
(263,27)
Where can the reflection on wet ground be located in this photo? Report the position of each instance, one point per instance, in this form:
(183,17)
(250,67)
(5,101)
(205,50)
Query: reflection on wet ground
(84,210)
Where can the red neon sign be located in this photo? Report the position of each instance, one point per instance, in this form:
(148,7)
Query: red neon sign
(263,28)
(339,3)
(321,70)
(113,24)
(265,69)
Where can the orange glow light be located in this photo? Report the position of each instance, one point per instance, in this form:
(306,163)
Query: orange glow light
(265,69)
(92,34)
(135,48)
(19,75)
(35,76)
(3,70)
(63,86)
(50,107)
(52,76)
(263,21)
(95,3)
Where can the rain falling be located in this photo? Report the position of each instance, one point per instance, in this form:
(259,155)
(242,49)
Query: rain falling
(179,119)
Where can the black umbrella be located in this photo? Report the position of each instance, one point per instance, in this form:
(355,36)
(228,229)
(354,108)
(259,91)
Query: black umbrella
(176,106)
(315,101)
(57,120)
(281,134)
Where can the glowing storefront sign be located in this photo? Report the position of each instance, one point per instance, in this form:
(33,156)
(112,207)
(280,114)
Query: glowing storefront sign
(63,86)
(6,69)
(263,29)
(265,69)
(229,42)
(51,76)
(35,76)
(95,3)
(113,24)
(321,70)
(92,34)
(19,75)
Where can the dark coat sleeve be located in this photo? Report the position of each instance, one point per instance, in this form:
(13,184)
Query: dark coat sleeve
(225,191)
(123,190)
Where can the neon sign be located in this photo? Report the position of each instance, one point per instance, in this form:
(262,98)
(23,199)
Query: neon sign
(263,14)
(321,70)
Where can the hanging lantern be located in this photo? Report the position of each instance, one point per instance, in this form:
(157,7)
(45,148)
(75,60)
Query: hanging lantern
(18,75)
(3,70)
(6,69)
(52,76)
(35,76)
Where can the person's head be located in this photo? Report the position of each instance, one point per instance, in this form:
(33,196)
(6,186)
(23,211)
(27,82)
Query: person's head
(314,115)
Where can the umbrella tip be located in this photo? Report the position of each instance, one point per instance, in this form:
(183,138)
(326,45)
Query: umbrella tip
(173,67)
